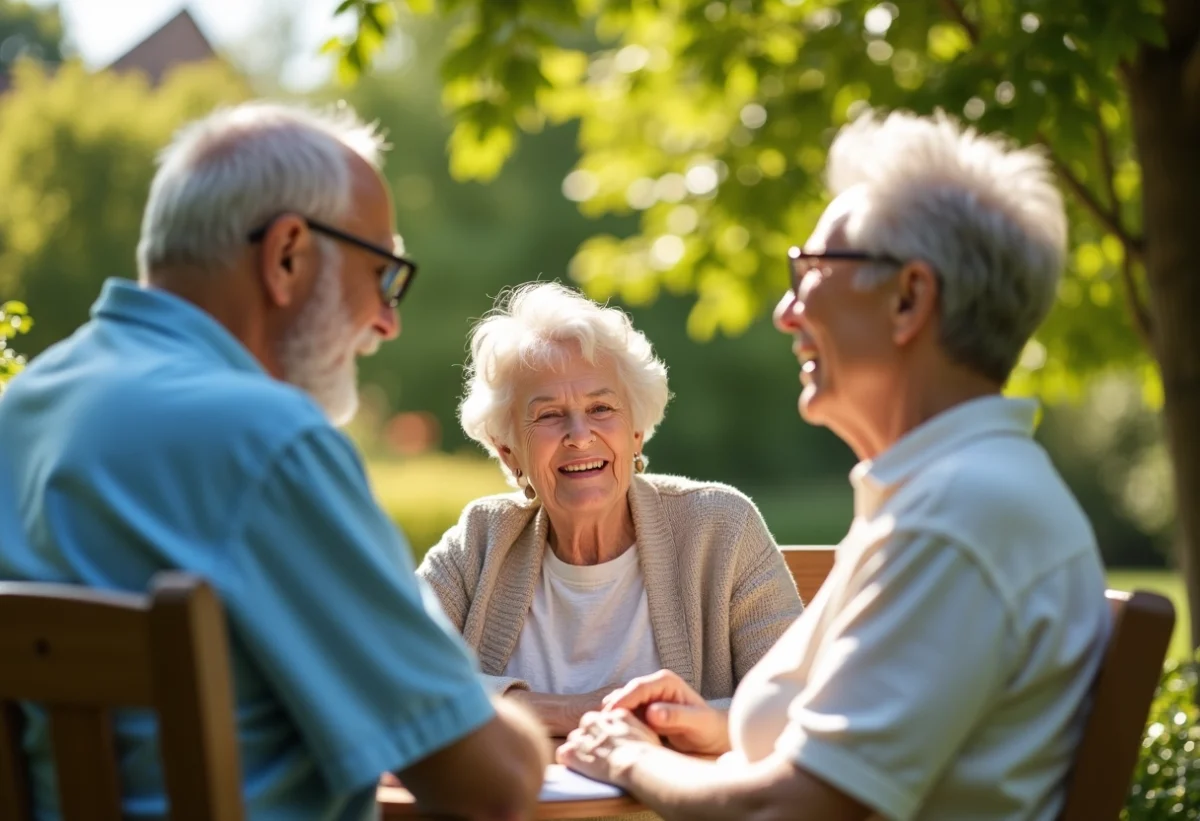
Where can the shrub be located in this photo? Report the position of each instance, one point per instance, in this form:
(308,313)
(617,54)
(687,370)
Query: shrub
(14,320)
(425,495)
(1166,781)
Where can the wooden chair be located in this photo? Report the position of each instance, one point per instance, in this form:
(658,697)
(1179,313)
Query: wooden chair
(1121,695)
(1099,781)
(79,653)
(809,565)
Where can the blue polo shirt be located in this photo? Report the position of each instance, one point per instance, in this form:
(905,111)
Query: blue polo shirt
(152,440)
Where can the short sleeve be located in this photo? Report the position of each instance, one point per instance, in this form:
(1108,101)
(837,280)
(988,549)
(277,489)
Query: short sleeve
(912,660)
(321,590)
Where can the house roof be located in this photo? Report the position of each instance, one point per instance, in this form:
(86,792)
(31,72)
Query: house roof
(177,41)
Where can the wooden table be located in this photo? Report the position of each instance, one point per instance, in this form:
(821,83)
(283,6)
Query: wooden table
(397,803)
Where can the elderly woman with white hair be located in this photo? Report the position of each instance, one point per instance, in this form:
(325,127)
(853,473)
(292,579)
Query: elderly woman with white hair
(596,572)
(943,670)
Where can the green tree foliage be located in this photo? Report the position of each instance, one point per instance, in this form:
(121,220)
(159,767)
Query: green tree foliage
(14,320)
(75,176)
(710,119)
(29,31)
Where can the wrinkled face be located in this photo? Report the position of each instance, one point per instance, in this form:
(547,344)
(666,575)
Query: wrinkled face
(344,316)
(842,334)
(575,438)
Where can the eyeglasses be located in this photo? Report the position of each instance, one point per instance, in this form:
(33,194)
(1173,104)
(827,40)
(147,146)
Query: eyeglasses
(394,282)
(802,263)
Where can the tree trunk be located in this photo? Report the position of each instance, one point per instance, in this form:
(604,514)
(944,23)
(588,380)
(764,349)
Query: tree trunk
(1164,91)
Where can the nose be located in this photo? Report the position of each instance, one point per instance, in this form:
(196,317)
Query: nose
(788,312)
(579,431)
(387,322)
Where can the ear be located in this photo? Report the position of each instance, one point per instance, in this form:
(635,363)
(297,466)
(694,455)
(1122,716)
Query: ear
(637,436)
(507,457)
(915,301)
(286,256)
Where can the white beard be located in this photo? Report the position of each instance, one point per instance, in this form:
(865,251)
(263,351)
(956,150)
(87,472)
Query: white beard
(319,352)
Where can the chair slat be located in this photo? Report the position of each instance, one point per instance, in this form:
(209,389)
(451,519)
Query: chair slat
(86,764)
(15,804)
(59,647)
(193,690)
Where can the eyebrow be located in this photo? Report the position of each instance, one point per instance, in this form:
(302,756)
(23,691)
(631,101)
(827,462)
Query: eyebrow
(593,395)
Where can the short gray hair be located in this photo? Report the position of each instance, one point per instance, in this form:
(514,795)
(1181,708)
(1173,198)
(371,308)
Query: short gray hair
(537,326)
(228,173)
(983,213)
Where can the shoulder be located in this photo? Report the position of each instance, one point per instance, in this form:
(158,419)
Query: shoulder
(998,478)
(702,498)
(1001,502)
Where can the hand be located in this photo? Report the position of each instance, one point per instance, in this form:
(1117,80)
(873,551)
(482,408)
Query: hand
(606,745)
(560,714)
(675,711)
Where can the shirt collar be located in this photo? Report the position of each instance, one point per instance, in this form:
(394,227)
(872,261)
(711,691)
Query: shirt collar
(122,300)
(951,430)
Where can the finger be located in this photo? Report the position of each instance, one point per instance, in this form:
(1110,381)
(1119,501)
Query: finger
(633,696)
(666,718)
(661,680)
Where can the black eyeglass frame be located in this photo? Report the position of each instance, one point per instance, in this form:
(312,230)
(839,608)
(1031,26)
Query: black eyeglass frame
(399,265)
(800,261)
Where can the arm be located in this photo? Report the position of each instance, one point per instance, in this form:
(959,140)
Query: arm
(764,602)
(679,787)
(880,714)
(354,646)
(505,757)
(560,714)
(441,571)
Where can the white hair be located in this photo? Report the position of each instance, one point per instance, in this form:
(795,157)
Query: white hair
(983,213)
(231,172)
(538,326)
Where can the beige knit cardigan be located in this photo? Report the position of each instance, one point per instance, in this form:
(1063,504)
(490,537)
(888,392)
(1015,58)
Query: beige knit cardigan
(718,591)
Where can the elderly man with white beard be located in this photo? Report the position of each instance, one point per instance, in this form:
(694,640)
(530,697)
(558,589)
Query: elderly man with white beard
(190,425)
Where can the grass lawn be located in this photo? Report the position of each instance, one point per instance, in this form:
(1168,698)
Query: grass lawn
(1167,583)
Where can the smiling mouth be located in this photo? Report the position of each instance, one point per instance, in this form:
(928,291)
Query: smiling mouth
(584,468)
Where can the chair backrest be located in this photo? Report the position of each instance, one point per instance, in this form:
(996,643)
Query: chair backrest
(809,565)
(79,653)
(1132,667)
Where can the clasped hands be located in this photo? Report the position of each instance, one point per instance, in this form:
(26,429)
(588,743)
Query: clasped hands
(651,711)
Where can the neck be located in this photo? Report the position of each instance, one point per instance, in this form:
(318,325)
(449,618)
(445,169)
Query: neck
(218,294)
(910,403)
(593,540)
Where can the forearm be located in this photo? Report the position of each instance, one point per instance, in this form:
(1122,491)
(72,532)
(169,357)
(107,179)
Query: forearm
(506,758)
(677,786)
(560,714)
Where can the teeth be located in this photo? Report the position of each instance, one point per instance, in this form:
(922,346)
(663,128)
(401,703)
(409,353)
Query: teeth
(584,466)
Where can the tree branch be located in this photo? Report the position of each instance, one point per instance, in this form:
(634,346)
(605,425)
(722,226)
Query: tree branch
(1109,218)
(1139,313)
(955,12)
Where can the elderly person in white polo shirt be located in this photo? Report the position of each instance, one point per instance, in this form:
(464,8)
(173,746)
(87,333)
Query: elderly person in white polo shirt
(943,670)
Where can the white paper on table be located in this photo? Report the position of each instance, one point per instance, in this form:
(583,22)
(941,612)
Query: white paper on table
(562,784)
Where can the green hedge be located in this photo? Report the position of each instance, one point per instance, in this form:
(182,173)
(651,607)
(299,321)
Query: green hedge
(426,495)
(1166,783)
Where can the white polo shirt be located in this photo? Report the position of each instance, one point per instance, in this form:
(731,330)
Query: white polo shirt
(942,670)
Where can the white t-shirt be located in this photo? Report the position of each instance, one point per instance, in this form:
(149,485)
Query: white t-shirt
(942,670)
(588,627)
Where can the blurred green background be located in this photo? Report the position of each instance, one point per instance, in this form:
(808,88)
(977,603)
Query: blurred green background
(75,177)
